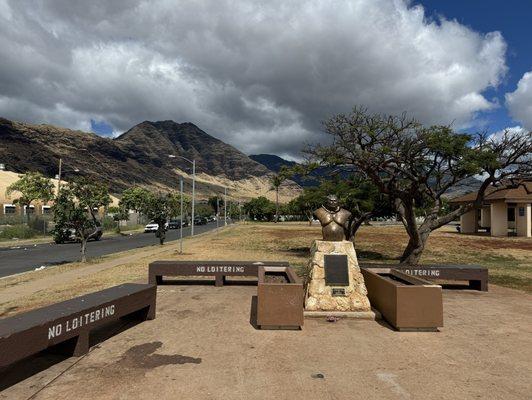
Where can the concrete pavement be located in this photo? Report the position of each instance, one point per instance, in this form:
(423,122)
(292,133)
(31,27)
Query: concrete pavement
(203,346)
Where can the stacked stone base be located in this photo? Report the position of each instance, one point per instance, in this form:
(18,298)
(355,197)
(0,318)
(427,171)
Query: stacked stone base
(319,295)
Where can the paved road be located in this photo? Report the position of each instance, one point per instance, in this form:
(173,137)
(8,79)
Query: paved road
(27,258)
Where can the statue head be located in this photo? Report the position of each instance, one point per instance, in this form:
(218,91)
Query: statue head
(332,203)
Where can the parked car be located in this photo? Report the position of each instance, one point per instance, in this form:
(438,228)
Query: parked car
(69,235)
(152,227)
(174,224)
(200,221)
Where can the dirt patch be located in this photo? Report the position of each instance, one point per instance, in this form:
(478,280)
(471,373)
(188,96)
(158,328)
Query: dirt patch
(275,277)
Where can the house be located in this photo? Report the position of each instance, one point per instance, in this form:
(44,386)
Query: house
(506,210)
(10,211)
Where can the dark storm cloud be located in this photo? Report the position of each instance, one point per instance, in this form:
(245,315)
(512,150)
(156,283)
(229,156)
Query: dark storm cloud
(258,75)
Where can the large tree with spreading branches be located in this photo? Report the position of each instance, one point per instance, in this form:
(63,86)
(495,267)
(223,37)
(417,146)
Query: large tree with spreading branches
(415,165)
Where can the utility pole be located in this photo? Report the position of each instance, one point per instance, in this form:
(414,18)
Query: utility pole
(193,162)
(193,194)
(181,220)
(225,206)
(59,176)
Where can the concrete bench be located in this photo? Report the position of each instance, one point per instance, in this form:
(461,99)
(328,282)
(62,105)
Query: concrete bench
(218,269)
(66,326)
(476,275)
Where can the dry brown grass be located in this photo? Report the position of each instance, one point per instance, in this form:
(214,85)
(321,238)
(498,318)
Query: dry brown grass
(509,259)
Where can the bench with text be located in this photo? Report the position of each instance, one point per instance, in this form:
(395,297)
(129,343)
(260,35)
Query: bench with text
(218,269)
(66,326)
(476,275)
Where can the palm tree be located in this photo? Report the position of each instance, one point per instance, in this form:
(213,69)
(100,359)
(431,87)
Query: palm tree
(276,181)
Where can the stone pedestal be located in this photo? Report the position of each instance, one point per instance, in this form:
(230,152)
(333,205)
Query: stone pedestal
(320,297)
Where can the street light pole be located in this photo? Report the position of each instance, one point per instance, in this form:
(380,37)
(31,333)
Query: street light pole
(217,212)
(181,220)
(193,162)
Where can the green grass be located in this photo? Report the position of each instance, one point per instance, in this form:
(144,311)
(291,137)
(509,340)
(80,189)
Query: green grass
(18,232)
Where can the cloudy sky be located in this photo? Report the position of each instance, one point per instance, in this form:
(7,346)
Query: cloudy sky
(263,75)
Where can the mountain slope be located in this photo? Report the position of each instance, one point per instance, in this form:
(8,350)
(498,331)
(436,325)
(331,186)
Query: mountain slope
(152,142)
(272,162)
(138,157)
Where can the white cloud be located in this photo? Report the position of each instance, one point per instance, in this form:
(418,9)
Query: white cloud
(260,75)
(512,130)
(519,102)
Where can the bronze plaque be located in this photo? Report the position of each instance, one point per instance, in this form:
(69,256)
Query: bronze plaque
(336,272)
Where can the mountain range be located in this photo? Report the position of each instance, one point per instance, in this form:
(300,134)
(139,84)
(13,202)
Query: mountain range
(153,155)
(149,154)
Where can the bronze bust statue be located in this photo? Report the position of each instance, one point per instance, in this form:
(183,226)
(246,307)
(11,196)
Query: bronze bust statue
(333,219)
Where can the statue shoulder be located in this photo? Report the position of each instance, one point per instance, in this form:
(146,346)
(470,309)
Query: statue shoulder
(321,213)
(343,213)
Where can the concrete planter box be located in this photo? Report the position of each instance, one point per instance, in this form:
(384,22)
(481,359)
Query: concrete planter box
(405,302)
(279,298)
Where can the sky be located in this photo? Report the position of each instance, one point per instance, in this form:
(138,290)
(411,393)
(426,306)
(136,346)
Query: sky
(263,76)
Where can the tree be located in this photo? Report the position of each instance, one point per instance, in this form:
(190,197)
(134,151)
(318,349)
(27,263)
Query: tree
(276,182)
(416,165)
(260,209)
(204,210)
(158,207)
(31,186)
(215,202)
(307,202)
(133,198)
(357,195)
(75,209)
(119,213)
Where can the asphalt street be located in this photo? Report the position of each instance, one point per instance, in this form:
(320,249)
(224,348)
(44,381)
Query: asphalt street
(14,260)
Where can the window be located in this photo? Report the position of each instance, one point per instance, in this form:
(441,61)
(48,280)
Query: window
(10,209)
(29,210)
(46,210)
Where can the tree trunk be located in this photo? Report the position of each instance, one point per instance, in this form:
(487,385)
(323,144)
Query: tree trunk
(355,224)
(161,233)
(83,250)
(277,204)
(414,249)
(417,238)
(28,215)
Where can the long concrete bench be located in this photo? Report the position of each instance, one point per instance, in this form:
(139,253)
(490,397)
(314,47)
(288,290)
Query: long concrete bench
(476,275)
(218,269)
(66,326)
